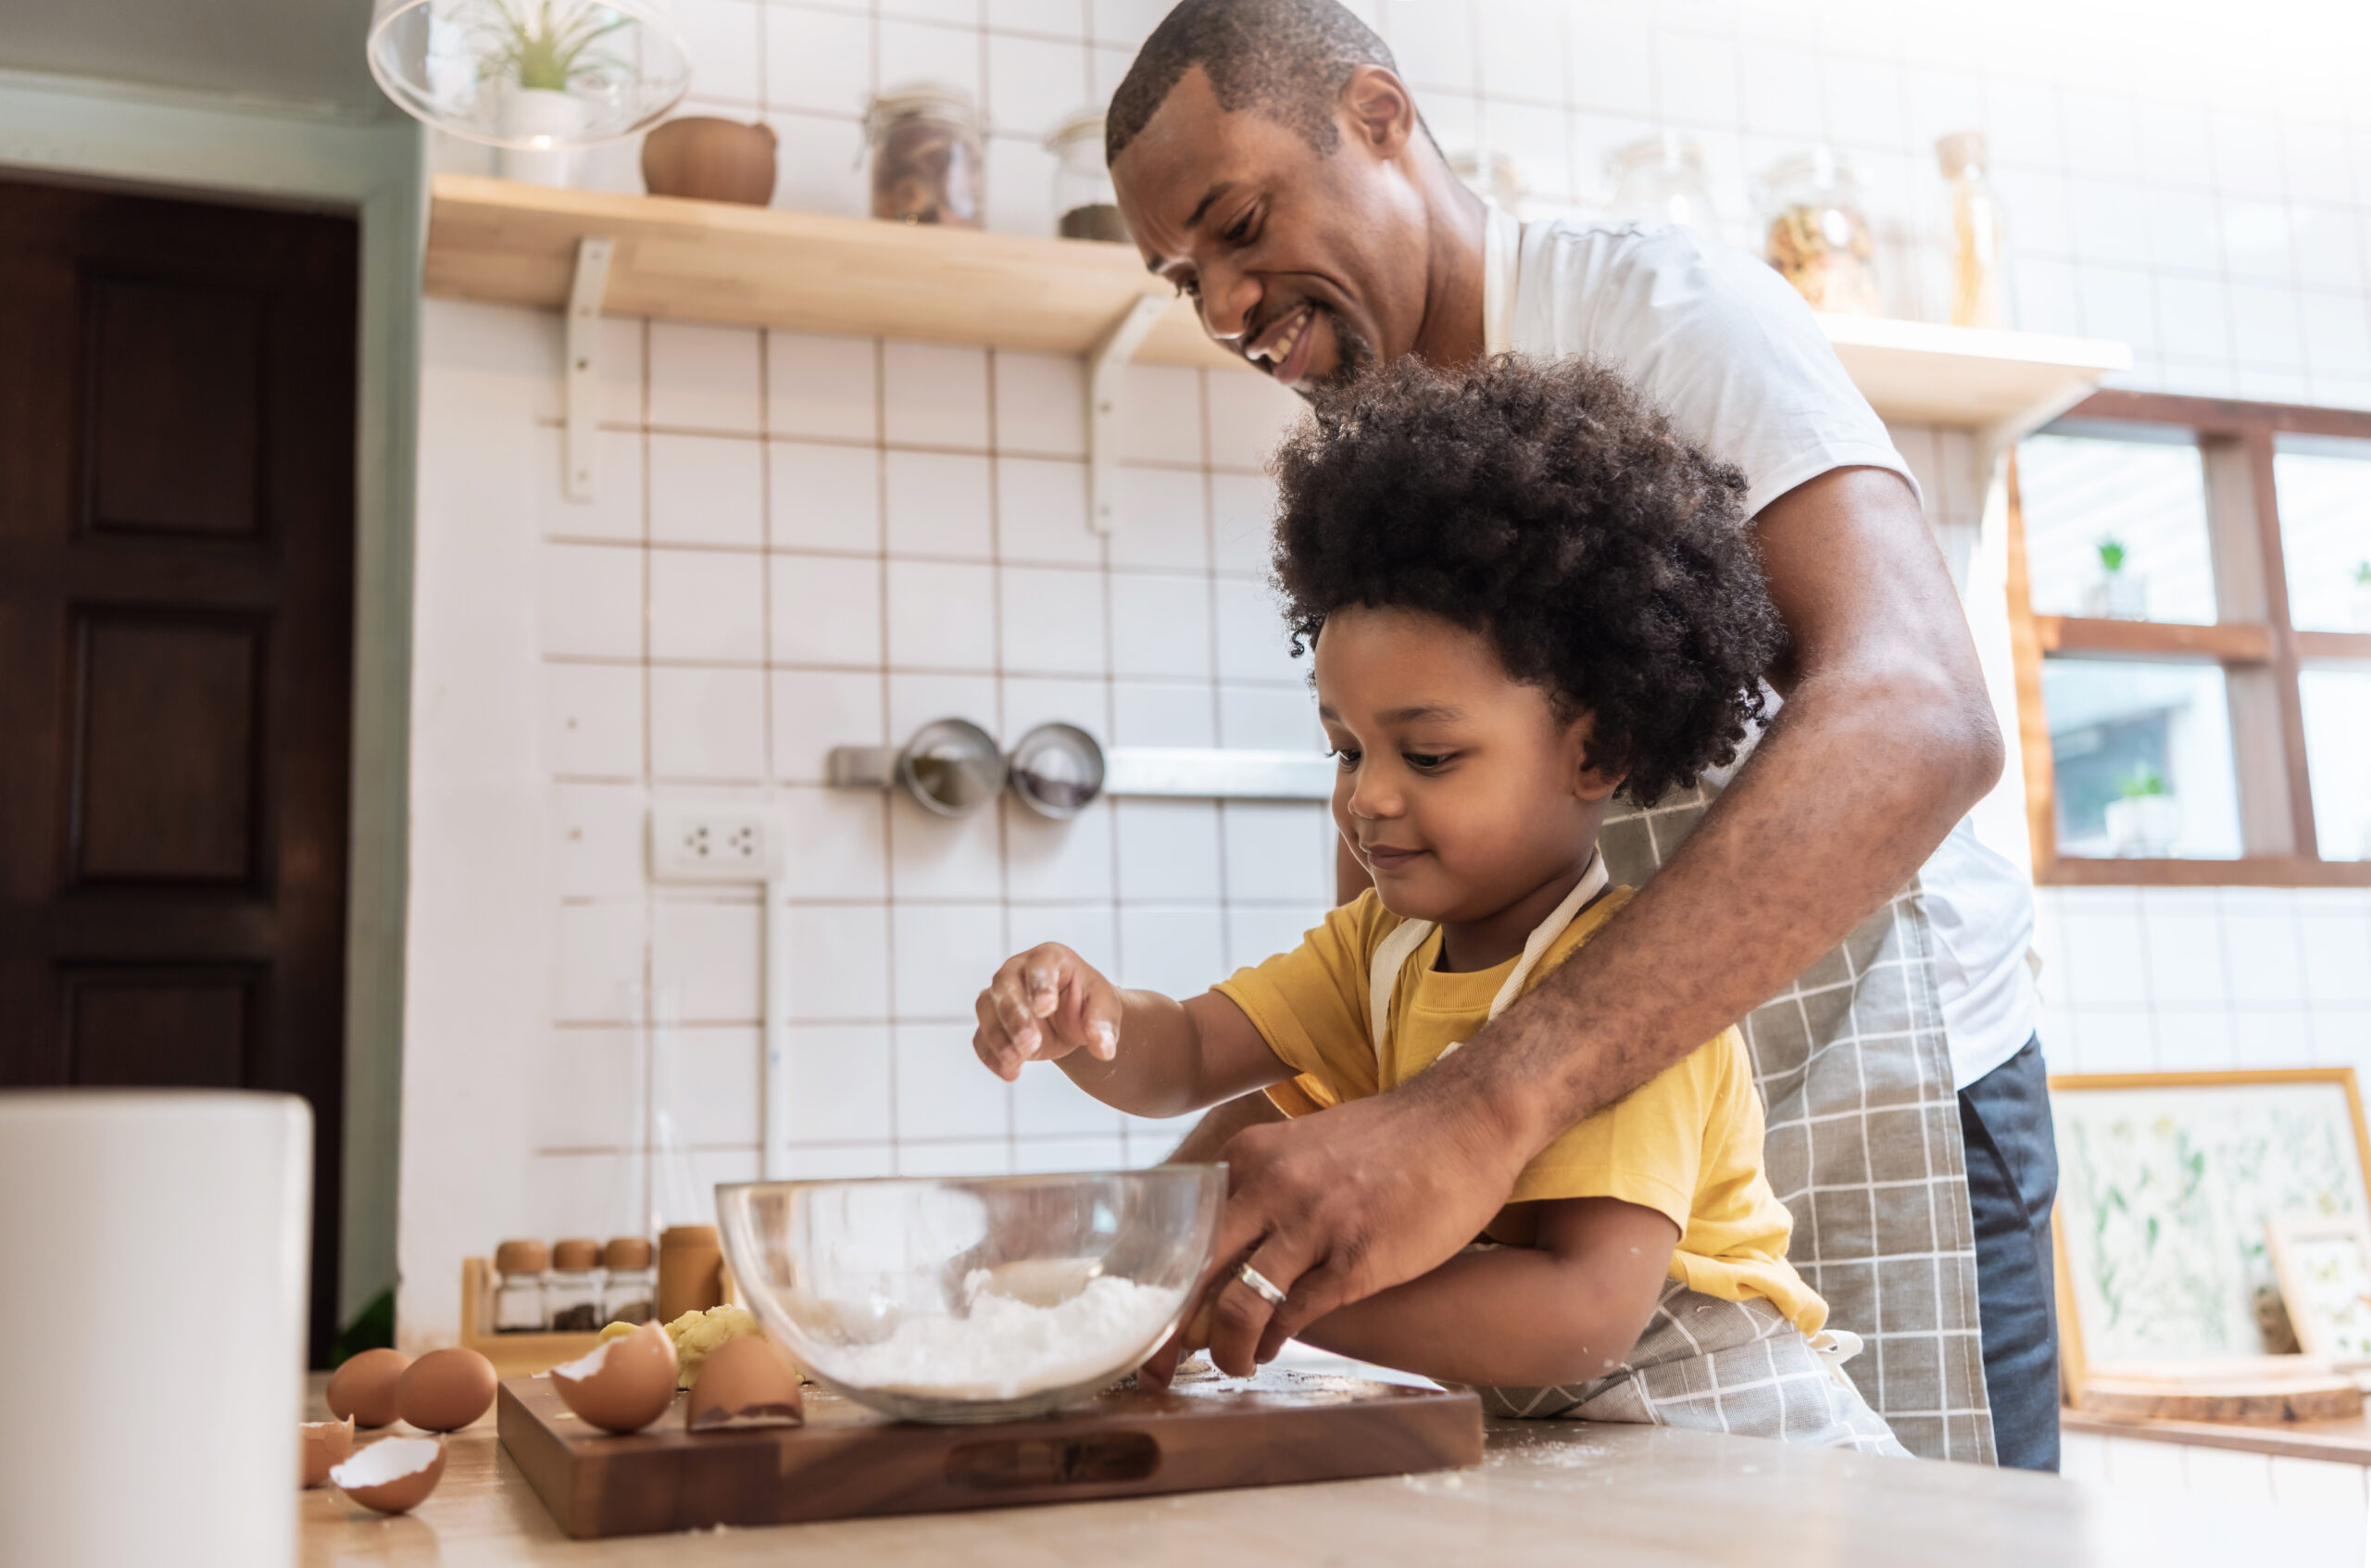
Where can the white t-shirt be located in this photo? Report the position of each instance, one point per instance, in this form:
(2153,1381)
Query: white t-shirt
(1733,355)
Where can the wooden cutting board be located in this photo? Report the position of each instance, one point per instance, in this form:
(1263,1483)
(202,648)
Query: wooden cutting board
(1204,1433)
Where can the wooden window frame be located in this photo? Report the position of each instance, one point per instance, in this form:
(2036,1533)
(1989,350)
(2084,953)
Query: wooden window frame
(2260,651)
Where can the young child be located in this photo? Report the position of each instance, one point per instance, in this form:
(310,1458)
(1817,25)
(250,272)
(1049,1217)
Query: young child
(1522,592)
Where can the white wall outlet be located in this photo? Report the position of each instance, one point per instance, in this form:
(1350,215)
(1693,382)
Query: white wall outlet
(713,844)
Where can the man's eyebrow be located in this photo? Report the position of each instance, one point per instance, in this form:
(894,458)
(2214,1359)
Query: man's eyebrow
(1154,264)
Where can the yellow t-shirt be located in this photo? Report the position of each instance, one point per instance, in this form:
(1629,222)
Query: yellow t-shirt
(1686,1142)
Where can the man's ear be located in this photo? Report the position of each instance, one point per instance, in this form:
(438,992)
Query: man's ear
(1379,110)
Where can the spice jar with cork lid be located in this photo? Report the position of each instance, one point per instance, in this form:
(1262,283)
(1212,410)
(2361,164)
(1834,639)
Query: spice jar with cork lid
(572,1289)
(691,1271)
(519,1304)
(631,1282)
(927,165)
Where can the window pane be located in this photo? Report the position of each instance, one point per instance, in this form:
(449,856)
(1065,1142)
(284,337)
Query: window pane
(2143,758)
(2338,759)
(2091,500)
(2325,490)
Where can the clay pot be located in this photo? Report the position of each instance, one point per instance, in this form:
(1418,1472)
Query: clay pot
(708,160)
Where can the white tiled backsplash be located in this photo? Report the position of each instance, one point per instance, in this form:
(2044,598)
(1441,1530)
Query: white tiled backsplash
(801,541)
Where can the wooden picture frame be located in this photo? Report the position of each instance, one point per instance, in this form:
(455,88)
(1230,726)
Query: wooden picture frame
(2297,1134)
(2324,1265)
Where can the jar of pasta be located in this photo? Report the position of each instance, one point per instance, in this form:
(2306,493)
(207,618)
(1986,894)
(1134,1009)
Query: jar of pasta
(1816,232)
(927,165)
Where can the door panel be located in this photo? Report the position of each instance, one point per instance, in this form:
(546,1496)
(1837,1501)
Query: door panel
(176,620)
(175,419)
(151,688)
(181,1027)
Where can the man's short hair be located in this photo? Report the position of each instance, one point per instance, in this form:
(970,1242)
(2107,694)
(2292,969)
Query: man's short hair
(1288,59)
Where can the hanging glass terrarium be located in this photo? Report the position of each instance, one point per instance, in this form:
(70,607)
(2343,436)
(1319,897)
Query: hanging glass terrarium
(536,78)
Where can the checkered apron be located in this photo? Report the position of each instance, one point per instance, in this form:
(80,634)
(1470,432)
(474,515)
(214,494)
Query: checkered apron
(1862,1146)
(1739,1367)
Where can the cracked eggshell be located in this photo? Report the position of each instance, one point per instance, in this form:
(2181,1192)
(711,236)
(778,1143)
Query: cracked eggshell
(624,1384)
(446,1390)
(745,1383)
(392,1476)
(364,1388)
(320,1445)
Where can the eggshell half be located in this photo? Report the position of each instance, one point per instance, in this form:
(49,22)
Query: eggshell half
(745,1383)
(322,1444)
(392,1476)
(365,1387)
(446,1390)
(625,1384)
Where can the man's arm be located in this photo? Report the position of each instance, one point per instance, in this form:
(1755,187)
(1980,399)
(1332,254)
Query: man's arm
(1886,740)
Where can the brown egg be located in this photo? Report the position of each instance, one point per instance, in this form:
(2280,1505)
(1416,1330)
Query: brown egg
(323,1444)
(446,1390)
(365,1387)
(394,1475)
(625,1384)
(745,1383)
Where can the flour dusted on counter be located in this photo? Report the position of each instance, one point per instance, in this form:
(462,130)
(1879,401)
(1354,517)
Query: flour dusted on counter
(1007,1348)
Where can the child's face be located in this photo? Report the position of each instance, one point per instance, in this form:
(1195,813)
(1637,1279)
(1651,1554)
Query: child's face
(1460,790)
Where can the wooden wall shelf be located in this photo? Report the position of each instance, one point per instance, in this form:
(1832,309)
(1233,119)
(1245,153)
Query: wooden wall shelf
(508,244)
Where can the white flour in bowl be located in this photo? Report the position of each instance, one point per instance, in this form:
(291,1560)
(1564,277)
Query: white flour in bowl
(1007,1348)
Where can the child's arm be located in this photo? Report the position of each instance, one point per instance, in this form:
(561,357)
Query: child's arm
(1565,1310)
(1142,1053)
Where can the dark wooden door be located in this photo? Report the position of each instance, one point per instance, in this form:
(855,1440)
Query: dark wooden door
(177,384)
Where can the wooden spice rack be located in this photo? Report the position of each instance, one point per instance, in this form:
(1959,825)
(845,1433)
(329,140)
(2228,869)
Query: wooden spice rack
(513,1355)
(524,1355)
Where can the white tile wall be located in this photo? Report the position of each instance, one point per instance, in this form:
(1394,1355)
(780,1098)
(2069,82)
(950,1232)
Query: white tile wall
(801,541)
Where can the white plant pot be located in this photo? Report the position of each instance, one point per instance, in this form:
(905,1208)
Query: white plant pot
(2144,825)
(2118,595)
(556,118)
(2363,607)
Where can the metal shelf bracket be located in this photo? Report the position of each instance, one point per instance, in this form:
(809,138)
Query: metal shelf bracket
(1106,368)
(583,378)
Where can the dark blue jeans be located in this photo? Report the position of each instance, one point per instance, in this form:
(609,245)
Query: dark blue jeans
(2012,1180)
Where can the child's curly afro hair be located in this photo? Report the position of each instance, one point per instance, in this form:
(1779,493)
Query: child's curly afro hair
(1550,508)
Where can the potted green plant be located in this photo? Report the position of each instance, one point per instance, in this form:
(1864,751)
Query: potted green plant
(545,58)
(2362,595)
(2147,819)
(2119,591)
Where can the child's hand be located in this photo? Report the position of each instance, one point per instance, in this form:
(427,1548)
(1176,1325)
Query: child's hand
(1043,1005)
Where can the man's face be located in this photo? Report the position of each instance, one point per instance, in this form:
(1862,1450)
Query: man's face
(1310,265)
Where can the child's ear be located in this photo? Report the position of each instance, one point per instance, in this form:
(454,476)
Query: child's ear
(1592,780)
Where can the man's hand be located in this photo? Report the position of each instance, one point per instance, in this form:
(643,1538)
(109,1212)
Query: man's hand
(1341,1205)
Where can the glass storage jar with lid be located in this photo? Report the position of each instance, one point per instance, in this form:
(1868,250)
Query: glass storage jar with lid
(927,165)
(572,1289)
(1976,231)
(519,1306)
(631,1283)
(1816,232)
(1659,180)
(1086,206)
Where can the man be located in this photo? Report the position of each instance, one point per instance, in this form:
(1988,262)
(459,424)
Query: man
(1273,166)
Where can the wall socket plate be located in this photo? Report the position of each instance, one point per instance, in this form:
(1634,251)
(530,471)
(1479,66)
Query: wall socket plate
(691,843)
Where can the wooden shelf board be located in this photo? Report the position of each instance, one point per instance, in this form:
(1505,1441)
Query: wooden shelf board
(2249,870)
(510,243)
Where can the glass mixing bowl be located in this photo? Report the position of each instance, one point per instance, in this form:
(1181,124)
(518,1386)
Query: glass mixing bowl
(972,1299)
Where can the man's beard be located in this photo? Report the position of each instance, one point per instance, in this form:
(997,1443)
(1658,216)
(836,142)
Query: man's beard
(1353,357)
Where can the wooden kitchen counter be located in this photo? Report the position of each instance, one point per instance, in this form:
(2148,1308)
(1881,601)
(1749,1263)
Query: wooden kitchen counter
(1547,1492)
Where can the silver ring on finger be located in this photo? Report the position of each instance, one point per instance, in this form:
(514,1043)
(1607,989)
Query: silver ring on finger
(1260,1285)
